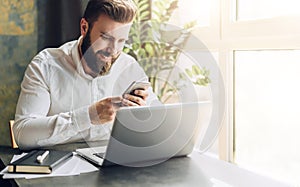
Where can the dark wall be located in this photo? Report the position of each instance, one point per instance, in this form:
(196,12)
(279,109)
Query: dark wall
(26,27)
(18,44)
(58,21)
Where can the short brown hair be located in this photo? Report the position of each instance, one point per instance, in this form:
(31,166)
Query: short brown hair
(122,11)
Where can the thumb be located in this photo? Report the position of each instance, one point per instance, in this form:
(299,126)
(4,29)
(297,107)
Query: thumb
(116,102)
(117,99)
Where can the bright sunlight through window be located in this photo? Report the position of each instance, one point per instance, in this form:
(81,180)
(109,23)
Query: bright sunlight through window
(267,120)
(191,10)
(260,9)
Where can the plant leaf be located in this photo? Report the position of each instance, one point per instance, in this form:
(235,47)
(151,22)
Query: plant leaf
(196,70)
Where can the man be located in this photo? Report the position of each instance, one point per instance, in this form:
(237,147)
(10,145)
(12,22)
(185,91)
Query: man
(72,93)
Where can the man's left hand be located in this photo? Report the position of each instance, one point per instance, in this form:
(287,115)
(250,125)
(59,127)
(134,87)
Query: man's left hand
(138,99)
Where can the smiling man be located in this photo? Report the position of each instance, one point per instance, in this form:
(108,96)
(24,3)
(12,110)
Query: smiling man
(72,93)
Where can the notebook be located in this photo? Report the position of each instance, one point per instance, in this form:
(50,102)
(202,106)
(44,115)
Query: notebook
(30,164)
(147,135)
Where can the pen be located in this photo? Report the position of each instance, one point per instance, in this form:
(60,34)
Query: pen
(41,158)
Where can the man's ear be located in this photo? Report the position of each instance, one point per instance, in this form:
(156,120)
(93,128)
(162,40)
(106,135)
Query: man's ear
(84,26)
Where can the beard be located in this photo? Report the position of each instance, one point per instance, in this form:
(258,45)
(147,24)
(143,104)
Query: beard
(97,65)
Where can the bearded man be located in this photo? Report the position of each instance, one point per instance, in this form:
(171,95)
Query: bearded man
(72,93)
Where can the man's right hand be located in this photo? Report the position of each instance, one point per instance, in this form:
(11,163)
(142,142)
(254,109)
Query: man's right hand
(104,111)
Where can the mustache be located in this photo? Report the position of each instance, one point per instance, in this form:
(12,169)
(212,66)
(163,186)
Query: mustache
(107,54)
(104,53)
(98,66)
(104,67)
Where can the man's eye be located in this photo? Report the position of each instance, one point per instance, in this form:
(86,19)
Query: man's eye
(105,37)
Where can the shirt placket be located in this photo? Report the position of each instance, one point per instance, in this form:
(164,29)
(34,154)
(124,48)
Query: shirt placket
(94,90)
(97,90)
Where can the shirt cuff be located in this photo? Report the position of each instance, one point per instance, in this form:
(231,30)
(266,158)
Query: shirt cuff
(81,119)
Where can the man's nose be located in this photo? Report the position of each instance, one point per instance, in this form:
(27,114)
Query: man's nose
(113,47)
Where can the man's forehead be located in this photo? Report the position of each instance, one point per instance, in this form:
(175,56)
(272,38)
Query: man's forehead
(117,32)
(108,26)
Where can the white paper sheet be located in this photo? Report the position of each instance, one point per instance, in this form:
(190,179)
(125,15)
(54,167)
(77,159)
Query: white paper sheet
(219,183)
(74,166)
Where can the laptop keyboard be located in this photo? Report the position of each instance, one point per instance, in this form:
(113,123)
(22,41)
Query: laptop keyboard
(101,155)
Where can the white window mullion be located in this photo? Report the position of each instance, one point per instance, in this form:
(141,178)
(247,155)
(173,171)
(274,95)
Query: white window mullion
(225,65)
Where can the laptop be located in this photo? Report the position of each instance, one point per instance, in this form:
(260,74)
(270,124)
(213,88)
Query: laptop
(148,135)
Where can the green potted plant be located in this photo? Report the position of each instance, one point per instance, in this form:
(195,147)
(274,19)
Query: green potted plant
(156,45)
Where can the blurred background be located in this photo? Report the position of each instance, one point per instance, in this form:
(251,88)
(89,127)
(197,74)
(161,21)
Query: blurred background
(26,27)
(256,44)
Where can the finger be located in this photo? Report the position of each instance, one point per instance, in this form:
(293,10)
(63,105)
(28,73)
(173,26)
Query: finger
(135,99)
(117,105)
(117,99)
(126,102)
(116,102)
(141,93)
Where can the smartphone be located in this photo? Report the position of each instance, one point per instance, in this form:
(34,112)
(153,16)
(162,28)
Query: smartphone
(136,85)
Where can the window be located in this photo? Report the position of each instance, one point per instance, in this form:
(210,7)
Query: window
(263,64)
(267,112)
(256,43)
(260,9)
(191,10)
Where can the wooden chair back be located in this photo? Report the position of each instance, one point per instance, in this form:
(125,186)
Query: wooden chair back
(12,137)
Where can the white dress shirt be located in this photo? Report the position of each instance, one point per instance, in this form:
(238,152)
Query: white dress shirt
(56,93)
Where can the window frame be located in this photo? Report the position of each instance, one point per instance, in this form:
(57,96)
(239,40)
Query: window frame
(225,35)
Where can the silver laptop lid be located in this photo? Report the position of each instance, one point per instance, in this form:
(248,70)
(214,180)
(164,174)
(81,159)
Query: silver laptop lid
(143,136)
